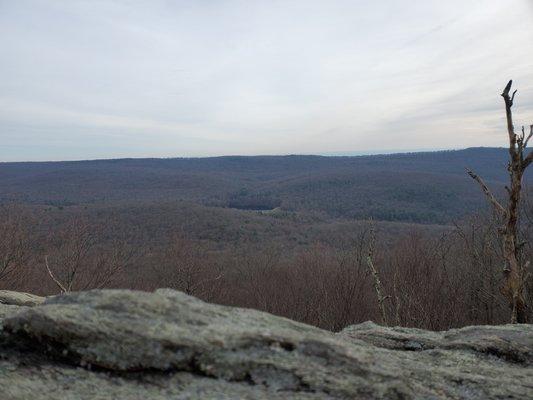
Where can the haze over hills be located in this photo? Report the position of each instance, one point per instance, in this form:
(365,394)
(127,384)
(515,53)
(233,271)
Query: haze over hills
(428,187)
(184,168)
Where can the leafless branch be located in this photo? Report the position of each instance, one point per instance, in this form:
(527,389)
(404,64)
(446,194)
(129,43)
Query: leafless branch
(513,287)
(528,136)
(529,157)
(487,192)
(378,287)
(56,281)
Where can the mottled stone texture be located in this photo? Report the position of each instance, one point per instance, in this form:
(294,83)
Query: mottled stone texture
(19,299)
(119,344)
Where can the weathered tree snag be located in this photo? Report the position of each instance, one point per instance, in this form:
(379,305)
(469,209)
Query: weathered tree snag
(515,271)
(495,203)
(378,287)
(63,288)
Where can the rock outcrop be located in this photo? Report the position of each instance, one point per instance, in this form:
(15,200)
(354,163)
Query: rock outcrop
(13,302)
(9,297)
(118,344)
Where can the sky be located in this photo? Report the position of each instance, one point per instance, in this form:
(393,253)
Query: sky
(122,78)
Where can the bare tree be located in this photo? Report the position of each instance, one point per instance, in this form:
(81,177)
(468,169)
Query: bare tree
(256,272)
(515,270)
(76,262)
(14,244)
(188,268)
(479,244)
(378,287)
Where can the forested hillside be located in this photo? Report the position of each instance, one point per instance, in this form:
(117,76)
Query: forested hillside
(286,234)
(416,187)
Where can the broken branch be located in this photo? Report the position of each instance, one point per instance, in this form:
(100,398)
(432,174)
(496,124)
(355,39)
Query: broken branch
(56,281)
(487,192)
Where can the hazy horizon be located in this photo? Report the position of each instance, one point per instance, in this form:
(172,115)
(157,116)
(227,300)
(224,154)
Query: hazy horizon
(119,79)
(326,154)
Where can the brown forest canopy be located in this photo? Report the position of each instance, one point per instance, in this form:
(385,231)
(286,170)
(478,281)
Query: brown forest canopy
(417,187)
(191,224)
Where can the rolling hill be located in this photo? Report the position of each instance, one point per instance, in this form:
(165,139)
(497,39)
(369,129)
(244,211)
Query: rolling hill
(429,187)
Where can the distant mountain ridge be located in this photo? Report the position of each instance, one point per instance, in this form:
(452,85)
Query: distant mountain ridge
(418,187)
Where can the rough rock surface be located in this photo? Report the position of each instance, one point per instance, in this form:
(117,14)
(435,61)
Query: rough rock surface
(118,344)
(19,299)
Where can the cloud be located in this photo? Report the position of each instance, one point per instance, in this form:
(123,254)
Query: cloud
(158,78)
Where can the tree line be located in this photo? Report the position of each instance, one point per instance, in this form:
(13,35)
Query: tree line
(475,271)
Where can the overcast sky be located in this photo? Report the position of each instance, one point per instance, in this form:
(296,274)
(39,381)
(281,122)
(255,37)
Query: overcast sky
(102,79)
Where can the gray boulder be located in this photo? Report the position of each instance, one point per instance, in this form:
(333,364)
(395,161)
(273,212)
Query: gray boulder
(13,302)
(114,344)
(19,299)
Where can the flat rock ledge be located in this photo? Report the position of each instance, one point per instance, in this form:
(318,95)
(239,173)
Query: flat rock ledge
(120,344)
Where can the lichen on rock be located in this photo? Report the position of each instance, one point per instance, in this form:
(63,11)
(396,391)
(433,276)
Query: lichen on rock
(111,344)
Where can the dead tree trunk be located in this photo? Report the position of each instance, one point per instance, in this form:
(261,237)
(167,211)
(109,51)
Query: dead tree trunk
(514,272)
(378,287)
